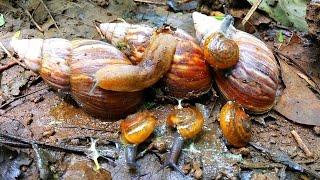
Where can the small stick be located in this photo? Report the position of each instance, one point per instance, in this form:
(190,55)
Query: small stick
(11,56)
(151,2)
(33,21)
(251,11)
(7,66)
(85,128)
(55,23)
(301,144)
(22,96)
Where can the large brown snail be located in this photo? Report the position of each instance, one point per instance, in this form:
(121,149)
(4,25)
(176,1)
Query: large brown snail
(77,66)
(235,124)
(189,123)
(189,74)
(253,80)
(135,129)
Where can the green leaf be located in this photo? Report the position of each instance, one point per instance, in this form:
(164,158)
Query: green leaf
(219,17)
(2,22)
(287,12)
(280,36)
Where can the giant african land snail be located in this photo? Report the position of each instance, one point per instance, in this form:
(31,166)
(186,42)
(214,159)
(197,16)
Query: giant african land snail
(75,66)
(253,81)
(189,74)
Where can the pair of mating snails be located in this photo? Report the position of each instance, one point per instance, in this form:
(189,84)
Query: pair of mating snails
(189,121)
(110,83)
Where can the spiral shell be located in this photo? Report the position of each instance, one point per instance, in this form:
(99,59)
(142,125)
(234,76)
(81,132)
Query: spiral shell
(136,128)
(235,124)
(253,81)
(189,74)
(71,66)
(188,121)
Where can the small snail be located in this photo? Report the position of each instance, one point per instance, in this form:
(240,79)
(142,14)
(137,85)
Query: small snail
(253,81)
(75,66)
(235,124)
(135,129)
(188,75)
(220,51)
(188,122)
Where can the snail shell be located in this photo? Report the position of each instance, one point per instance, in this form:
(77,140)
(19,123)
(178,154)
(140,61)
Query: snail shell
(253,81)
(188,121)
(71,65)
(136,128)
(189,74)
(235,124)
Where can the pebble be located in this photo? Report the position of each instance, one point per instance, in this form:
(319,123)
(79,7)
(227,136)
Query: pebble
(48,133)
(317,130)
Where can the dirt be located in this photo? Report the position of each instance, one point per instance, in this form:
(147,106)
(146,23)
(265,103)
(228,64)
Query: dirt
(54,118)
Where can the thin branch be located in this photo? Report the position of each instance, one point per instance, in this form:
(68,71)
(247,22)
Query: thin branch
(301,144)
(7,66)
(55,23)
(11,56)
(33,21)
(151,2)
(251,11)
(72,149)
(22,96)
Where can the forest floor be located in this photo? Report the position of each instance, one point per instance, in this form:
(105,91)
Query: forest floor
(31,111)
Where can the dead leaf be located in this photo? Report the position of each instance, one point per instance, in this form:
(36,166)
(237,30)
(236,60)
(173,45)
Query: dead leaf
(297,103)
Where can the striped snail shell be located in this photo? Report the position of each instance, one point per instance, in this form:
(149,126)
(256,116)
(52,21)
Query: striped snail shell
(254,80)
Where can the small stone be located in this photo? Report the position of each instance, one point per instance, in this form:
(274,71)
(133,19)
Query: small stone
(243,151)
(186,168)
(160,145)
(24,168)
(75,141)
(38,99)
(29,119)
(48,133)
(317,130)
(198,174)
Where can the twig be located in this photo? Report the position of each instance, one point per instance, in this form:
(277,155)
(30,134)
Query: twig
(11,56)
(86,128)
(22,96)
(55,23)
(251,11)
(7,66)
(301,144)
(260,165)
(33,21)
(72,149)
(281,157)
(151,2)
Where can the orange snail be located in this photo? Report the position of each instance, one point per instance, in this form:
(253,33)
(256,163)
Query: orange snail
(100,77)
(253,81)
(189,123)
(135,129)
(235,124)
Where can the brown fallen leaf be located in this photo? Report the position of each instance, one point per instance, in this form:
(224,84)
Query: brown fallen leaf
(297,103)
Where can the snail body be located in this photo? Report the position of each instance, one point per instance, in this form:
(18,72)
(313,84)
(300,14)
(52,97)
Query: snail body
(235,124)
(189,123)
(188,75)
(74,66)
(135,129)
(253,80)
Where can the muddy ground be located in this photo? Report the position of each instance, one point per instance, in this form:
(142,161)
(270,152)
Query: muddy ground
(54,118)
